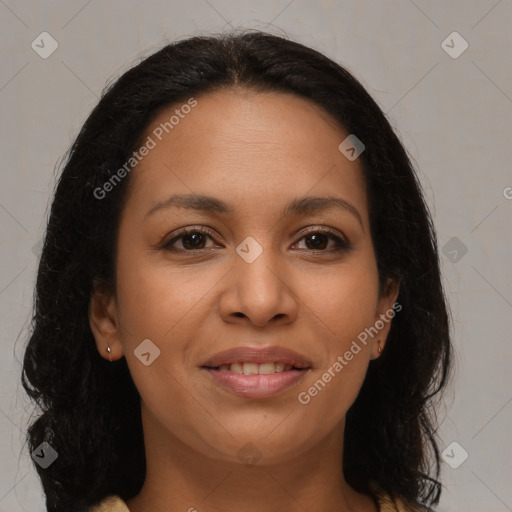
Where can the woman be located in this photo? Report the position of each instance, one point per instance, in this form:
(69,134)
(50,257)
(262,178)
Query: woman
(239,301)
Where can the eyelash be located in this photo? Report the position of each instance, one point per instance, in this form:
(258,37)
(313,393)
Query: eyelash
(343,245)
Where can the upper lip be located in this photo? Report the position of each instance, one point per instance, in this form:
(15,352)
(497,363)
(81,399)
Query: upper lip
(259,355)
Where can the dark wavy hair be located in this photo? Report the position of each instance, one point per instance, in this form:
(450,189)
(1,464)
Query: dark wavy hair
(90,408)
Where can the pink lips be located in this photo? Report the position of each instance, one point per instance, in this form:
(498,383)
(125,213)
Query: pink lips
(257,386)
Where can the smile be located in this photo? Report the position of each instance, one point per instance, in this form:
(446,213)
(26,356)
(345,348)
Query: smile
(256,369)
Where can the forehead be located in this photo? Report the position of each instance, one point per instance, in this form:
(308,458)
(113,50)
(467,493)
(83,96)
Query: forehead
(252,147)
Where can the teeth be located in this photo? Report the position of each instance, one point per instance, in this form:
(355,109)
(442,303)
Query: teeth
(255,368)
(267,369)
(251,368)
(235,368)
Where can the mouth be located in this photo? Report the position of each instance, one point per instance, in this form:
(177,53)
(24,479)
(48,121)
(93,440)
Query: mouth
(257,385)
(268,368)
(257,372)
(270,359)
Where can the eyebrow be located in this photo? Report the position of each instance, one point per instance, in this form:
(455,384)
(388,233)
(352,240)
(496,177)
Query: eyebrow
(299,206)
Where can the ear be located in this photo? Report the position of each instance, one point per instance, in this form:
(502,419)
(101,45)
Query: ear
(104,322)
(386,311)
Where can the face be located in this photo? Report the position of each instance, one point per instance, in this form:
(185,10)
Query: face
(243,270)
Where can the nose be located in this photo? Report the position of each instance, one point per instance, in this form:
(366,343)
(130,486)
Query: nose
(259,292)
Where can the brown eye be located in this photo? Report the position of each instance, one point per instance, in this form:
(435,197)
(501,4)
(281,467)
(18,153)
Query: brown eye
(318,240)
(195,239)
(191,239)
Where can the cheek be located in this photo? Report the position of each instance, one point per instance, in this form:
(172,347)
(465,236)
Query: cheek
(346,304)
(349,307)
(150,308)
(346,301)
(166,306)
(329,396)
(156,301)
(157,304)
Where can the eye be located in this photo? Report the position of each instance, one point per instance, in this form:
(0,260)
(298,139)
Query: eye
(318,240)
(191,239)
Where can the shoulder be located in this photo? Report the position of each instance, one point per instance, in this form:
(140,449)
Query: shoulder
(110,504)
(386,504)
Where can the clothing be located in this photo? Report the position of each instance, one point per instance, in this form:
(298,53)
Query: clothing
(111,504)
(386,504)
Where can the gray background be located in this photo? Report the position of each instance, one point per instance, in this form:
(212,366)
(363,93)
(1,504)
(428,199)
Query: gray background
(453,115)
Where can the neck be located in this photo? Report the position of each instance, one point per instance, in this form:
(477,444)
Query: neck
(179,478)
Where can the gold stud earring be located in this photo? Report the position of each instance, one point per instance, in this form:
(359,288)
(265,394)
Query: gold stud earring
(380,348)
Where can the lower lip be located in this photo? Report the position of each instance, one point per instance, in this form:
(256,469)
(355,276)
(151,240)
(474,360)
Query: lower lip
(257,386)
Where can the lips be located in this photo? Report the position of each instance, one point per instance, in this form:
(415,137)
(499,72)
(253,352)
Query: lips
(257,372)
